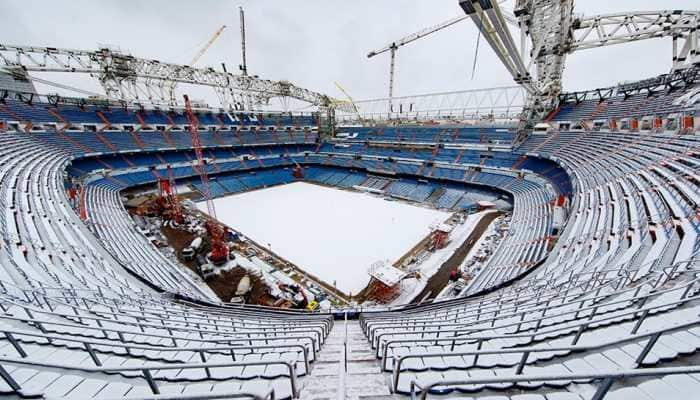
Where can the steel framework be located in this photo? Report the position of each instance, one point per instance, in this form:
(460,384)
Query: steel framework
(673,81)
(133,79)
(610,29)
(394,46)
(495,103)
(549,31)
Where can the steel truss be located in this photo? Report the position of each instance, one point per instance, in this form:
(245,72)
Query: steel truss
(550,31)
(131,79)
(610,29)
(501,103)
(664,83)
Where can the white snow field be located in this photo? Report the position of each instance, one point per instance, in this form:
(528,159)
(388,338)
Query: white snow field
(333,234)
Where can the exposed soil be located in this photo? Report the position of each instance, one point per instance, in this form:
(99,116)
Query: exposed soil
(439,280)
(179,239)
(225,283)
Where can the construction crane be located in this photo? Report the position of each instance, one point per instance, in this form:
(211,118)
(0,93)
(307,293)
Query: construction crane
(394,46)
(352,102)
(200,53)
(207,45)
(219,249)
(298,171)
(168,202)
(244,65)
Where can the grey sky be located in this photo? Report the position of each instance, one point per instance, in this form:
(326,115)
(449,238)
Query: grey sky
(316,42)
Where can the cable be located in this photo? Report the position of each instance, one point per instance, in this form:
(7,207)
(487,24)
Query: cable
(478,42)
(66,87)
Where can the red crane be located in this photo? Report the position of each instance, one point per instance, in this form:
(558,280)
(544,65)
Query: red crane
(298,171)
(219,249)
(168,200)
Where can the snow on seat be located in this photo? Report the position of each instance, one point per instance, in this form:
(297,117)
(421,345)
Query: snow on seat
(613,289)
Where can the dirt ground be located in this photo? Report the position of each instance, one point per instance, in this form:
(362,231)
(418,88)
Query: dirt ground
(438,281)
(224,284)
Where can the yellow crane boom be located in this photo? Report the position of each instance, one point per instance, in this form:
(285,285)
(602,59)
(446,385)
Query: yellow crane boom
(351,101)
(207,45)
(200,53)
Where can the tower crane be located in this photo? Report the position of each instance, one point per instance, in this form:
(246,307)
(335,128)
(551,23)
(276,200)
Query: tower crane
(219,249)
(394,46)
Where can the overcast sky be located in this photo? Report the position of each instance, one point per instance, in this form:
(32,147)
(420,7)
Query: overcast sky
(316,42)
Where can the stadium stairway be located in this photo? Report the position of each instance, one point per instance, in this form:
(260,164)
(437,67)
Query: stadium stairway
(346,368)
(613,310)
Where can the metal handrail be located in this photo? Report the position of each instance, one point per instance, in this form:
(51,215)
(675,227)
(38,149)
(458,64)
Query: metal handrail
(11,336)
(154,316)
(63,293)
(209,396)
(314,336)
(549,282)
(145,370)
(526,351)
(451,306)
(608,379)
(581,326)
(120,334)
(498,308)
(572,279)
(377,338)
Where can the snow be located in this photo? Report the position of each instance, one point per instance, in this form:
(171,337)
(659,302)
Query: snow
(483,241)
(430,265)
(388,274)
(332,234)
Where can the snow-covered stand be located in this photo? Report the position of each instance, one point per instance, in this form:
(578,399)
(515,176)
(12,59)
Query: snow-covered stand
(609,308)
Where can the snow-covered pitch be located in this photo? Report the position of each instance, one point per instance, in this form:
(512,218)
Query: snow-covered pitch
(333,234)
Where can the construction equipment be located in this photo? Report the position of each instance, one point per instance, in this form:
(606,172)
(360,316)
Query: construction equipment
(168,203)
(200,53)
(352,102)
(217,233)
(147,79)
(298,171)
(394,46)
(207,45)
(550,31)
(244,65)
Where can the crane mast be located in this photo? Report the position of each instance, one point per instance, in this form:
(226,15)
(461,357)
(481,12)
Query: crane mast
(394,46)
(219,249)
(201,167)
(244,65)
(168,202)
(392,69)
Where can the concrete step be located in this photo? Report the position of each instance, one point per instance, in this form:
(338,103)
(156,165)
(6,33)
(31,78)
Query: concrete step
(320,388)
(362,380)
